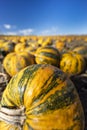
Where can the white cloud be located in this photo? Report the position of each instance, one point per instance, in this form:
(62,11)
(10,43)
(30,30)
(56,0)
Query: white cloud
(10,33)
(20,32)
(50,31)
(26,31)
(30,31)
(7,26)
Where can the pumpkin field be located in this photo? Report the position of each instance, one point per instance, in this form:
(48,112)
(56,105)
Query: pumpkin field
(43,82)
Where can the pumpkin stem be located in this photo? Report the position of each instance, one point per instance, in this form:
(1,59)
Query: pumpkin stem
(13,116)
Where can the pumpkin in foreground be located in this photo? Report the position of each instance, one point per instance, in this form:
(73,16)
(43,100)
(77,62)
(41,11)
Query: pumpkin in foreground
(49,97)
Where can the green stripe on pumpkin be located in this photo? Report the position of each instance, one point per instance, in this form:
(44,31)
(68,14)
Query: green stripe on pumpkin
(51,48)
(51,55)
(59,100)
(72,127)
(29,127)
(44,61)
(53,83)
(27,74)
(76,65)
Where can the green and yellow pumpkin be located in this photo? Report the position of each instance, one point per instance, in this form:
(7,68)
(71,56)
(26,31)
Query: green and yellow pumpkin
(14,62)
(60,45)
(72,63)
(20,47)
(30,50)
(47,42)
(9,46)
(49,97)
(47,55)
(81,50)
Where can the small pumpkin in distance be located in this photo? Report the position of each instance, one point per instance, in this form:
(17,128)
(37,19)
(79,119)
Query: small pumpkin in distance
(30,50)
(72,63)
(19,47)
(47,42)
(14,62)
(47,55)
(49,97)
(9,46)
(60,45)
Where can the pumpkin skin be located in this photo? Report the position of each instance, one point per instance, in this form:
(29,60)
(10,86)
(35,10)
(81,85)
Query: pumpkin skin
(14,62)
(81,50)
(20,47)
(47,55)
(8,46)
(72,63)
(47,42)
(60,45)
(30,50)
(51,100)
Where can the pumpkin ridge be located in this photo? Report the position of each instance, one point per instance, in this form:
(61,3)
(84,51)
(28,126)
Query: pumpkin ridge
(76,65)
(50,48)
(56,101)
(34,99)
(26,75)
(29,127)
(53,83)
(12,102)
(50,55)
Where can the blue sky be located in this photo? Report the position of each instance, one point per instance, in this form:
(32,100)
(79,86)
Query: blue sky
(43,17)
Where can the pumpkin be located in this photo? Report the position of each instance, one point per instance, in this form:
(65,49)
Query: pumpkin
(7,47)
(81,50)
(47,42)
(60,45)
(48,96)
(72,63)
(30,50)
(47,55)
(20,47)
(40,40)
(14,62)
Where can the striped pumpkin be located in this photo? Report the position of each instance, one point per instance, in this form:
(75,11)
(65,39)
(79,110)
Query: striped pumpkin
(14,62)
(8,46)
(60,45)
(30,50)
(47,42)
(20,47)
(81,50)
(47,55)
(49,97)
(72,63)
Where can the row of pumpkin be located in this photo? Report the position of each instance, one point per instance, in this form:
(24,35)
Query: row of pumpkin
(40,96)
(21,54)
